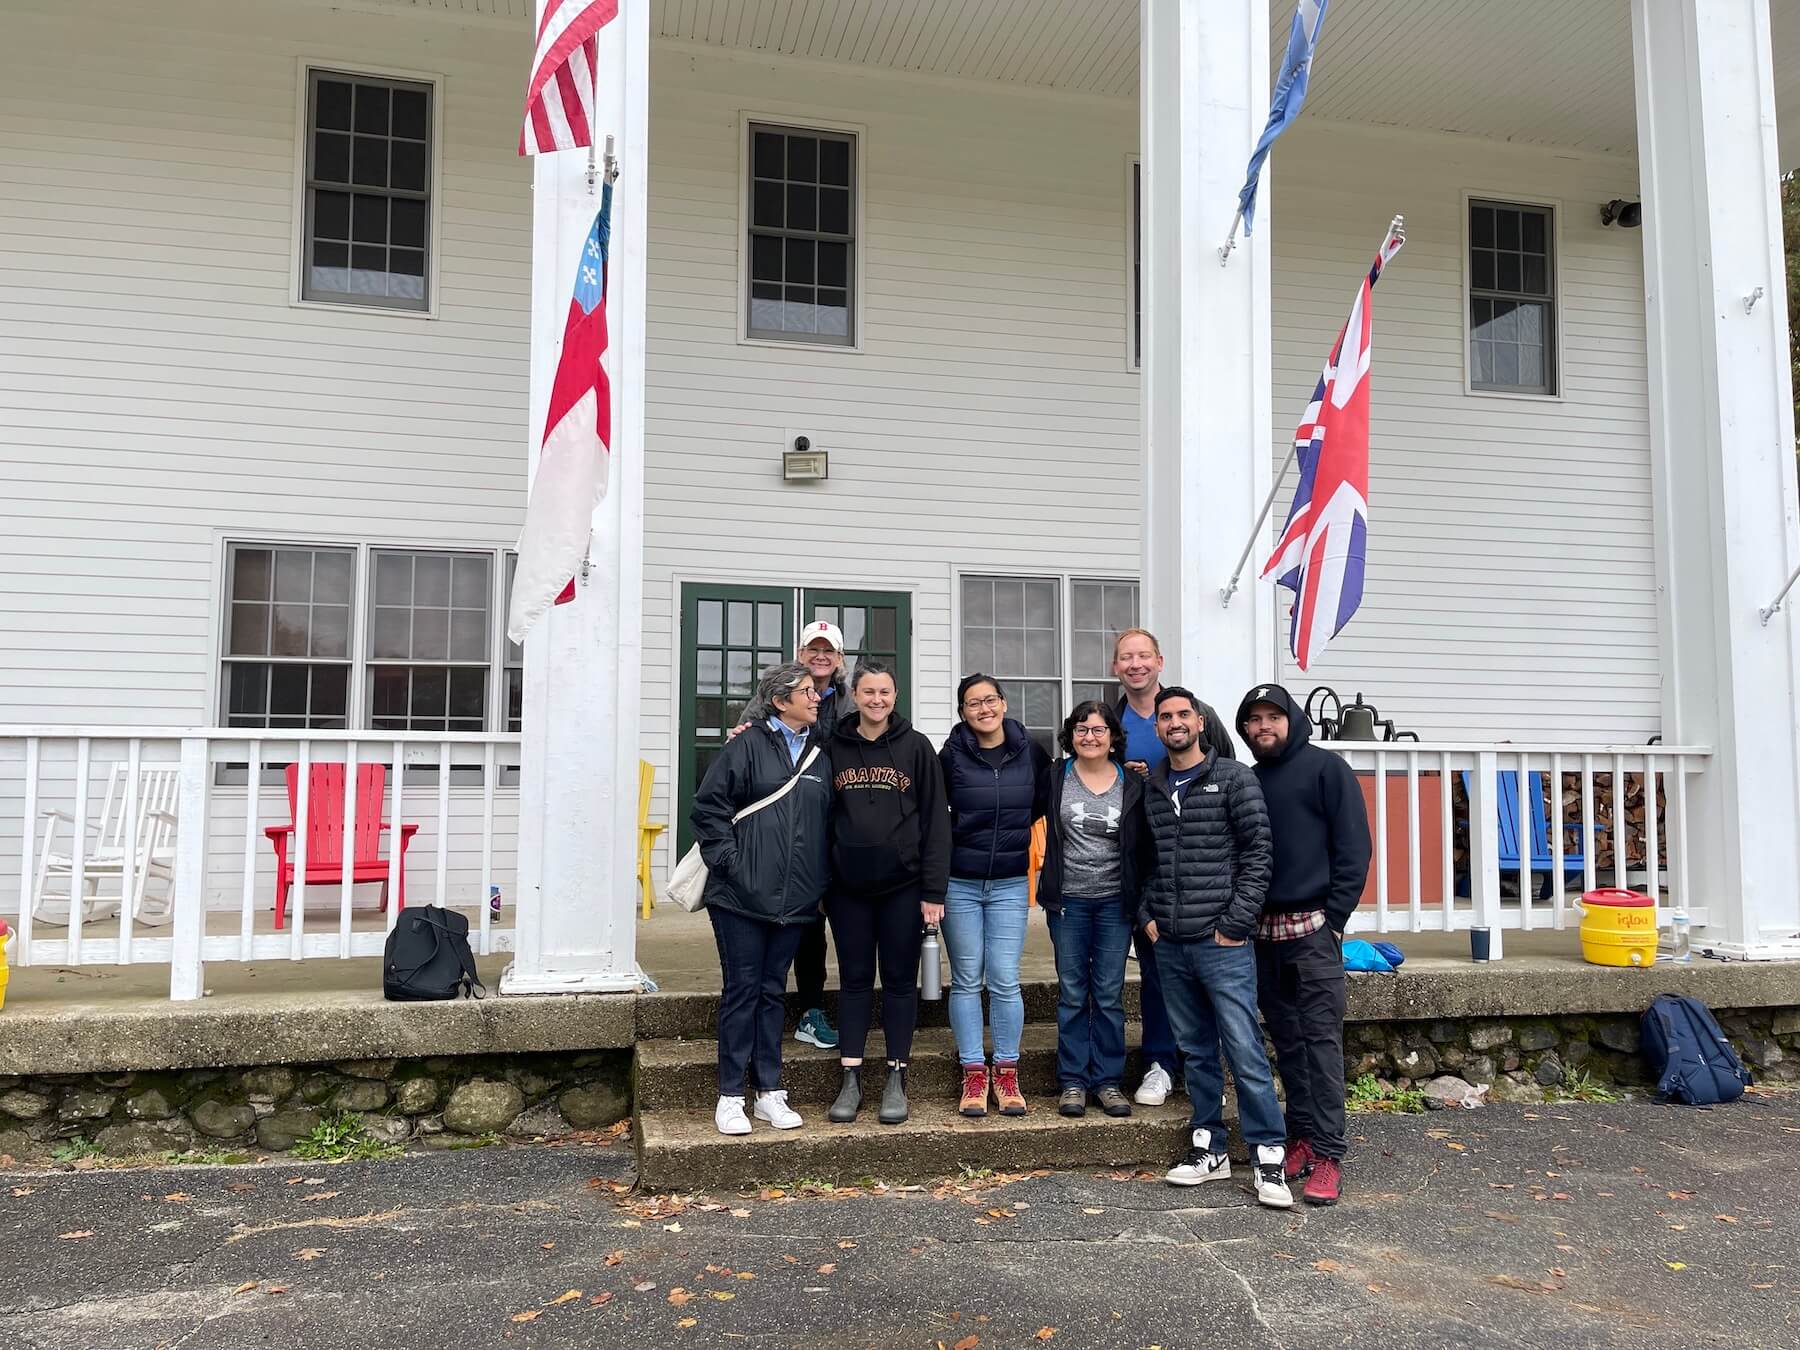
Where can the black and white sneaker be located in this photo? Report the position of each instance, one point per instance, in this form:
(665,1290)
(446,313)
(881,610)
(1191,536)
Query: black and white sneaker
(1201,1163)
(1271,1177)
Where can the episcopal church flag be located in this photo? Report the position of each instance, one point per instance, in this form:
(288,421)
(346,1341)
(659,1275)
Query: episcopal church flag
(1290,97)
(571,471)
(1320,556)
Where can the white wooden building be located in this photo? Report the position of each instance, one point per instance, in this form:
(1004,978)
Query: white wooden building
(272,277)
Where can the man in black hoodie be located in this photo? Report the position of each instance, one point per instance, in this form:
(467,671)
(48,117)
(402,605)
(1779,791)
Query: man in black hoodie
(1320,829)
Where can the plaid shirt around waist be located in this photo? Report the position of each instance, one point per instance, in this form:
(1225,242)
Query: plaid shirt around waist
(1287,924)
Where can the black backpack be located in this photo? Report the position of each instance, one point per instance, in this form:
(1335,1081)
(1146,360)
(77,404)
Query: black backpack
(1689,1055)
(428,957)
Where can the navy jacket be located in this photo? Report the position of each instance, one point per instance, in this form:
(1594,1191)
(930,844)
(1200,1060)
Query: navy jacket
(1212,854)
(992,809)
(774,865)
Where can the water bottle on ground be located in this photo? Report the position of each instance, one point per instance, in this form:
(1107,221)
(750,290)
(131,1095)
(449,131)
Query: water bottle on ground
(931,970)
(494,901)
(1680,941)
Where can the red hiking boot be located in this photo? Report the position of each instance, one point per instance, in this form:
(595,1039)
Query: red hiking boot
(1300,1158)
(975,1090)
(1325,1183)
(1006,1090)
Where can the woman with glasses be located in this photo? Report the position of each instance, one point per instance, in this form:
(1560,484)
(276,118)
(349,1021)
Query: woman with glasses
(1088,890)
(997,780)
(767,877)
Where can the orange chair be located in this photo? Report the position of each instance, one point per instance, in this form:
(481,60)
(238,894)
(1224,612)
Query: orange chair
(325,832)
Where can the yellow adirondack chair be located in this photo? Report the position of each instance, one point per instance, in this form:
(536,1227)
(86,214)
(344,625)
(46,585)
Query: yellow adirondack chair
(647,834)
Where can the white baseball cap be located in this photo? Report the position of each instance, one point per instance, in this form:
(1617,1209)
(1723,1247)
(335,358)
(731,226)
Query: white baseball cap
(821,628)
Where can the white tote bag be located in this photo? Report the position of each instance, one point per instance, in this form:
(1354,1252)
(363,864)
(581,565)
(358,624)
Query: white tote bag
(687,884)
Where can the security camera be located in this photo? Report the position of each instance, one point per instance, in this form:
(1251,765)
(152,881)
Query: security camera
(802,444)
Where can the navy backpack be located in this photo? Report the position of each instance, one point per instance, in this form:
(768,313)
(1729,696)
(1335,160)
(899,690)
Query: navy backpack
(1689,1055)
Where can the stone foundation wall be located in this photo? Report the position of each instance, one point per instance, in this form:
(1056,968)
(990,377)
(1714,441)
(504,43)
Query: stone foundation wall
(437,1102)
(1526,1058)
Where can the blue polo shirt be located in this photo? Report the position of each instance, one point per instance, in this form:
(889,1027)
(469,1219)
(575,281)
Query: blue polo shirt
(1140,739)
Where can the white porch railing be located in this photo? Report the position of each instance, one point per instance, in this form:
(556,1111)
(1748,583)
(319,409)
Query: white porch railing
(1436,817)
(211,854)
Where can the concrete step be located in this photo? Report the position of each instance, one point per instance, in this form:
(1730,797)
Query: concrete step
(682,1150)
(677,1075)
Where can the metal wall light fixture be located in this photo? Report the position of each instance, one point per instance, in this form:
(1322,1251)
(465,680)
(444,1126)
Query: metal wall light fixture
(803,464)
(1626,215)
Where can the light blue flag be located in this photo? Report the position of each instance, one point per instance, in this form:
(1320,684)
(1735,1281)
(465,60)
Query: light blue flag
(1290,97)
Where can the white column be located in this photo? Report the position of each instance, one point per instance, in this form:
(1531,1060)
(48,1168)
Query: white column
(1203,99)
(577,904)
(1722,445)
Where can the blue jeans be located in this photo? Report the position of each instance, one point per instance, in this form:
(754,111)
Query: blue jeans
(1090,937)
(1211,995)
(754,958)
(1159,1037)
(984,929)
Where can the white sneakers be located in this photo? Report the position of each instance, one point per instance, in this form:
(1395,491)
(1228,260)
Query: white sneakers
(729,1116)
(1201,1163)
(1271,1181)
(773,1107)
(1155,1088)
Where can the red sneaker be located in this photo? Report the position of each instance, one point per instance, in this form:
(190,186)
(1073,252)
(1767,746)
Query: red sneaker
(1326,1181)
(1300,1158)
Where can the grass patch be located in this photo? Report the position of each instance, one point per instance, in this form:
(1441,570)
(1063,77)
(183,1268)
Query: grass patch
(74,1150)
(976,1173)
(341,1137)
(488,1140)
(208,1157)
(1367,1094)
(1578,1085)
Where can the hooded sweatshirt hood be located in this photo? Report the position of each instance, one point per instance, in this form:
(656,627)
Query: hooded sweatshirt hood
(1317,818)
(1300,728)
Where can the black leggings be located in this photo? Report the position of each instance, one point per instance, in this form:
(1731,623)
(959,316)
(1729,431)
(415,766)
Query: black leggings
(863,928)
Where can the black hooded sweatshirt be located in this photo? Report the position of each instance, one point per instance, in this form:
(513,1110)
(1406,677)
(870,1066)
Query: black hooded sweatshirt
(890,827)
(1316,815)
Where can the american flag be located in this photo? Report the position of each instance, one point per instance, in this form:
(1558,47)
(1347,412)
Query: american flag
(571,473)
(1321,553)
(559,101)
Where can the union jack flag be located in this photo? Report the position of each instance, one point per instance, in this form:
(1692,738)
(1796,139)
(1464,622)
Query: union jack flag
(1321,553)
(559,99)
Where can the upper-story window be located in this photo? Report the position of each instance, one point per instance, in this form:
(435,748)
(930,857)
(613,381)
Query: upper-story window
(367,238)
(802,246)
(1512,298)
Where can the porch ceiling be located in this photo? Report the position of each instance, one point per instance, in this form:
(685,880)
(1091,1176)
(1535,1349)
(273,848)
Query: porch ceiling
(1545,72)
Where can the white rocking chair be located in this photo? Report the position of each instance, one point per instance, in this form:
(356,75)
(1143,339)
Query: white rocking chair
(104,859)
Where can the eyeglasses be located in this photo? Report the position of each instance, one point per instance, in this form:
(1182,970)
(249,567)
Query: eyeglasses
(983,704)
(1087,733)
(807,690)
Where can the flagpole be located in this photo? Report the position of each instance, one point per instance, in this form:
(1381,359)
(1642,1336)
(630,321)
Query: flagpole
(1231,243)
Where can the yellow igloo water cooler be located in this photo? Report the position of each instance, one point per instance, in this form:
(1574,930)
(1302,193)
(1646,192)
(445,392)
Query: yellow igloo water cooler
(1618,928)
(5,933)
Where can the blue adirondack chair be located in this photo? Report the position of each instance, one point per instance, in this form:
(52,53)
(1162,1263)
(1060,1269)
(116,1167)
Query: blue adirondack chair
(1539,859)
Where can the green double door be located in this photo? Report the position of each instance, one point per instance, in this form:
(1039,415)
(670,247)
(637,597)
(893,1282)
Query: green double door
(731,634)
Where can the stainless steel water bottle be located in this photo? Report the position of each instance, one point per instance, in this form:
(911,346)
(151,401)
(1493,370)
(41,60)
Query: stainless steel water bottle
(931,970)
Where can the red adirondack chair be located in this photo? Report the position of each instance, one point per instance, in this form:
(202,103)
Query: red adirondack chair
(325,832)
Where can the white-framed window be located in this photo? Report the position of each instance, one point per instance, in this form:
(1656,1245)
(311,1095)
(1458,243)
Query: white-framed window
(366,637)
(1048,639)
(367,169)
(1512,297)
(801,223)
(1134,264)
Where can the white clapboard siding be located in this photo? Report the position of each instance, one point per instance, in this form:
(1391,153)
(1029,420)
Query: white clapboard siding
(1511,575)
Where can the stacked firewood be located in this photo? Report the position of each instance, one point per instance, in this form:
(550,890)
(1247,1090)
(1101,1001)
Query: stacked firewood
(1605,820)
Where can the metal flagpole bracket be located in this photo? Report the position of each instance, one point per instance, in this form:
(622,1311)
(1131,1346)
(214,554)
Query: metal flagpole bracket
(1231,239)
(612,162)
(1774,607)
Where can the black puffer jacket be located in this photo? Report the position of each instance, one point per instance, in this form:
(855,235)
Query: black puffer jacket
(992,810)
(1135,857)
(776,864)
(1213,856)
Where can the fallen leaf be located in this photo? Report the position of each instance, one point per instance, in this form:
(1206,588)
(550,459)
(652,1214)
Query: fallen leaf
(1375,1288)
(770,1193)
(679,1297)
(245,1287)
(722,1295)
(1504,1218)
(1045,1333)
(309,1254)
(1529,1286)
(1327,1265)
(548,1246)
(1557,1271)
(531,1316)
(313,1181)
(602,1298)
(644,1286)
(967,1343)
(293,1181)
(1500,1185)
(1560,1195)
(613,1258)
(1681,1195)
(829,1268)
(24,1190)
(177,1197)
(276,1289)
(1093,1209)
(241,1187)
(746,1275)
(1676,1265)
(1724,1218)
(740,1213)
(687,1322)
(791,1260)
(671,1228)
(845,1246)
(320,1195)
(1762,1286)
(567,1297)
(1460,1148)
(76,1236)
